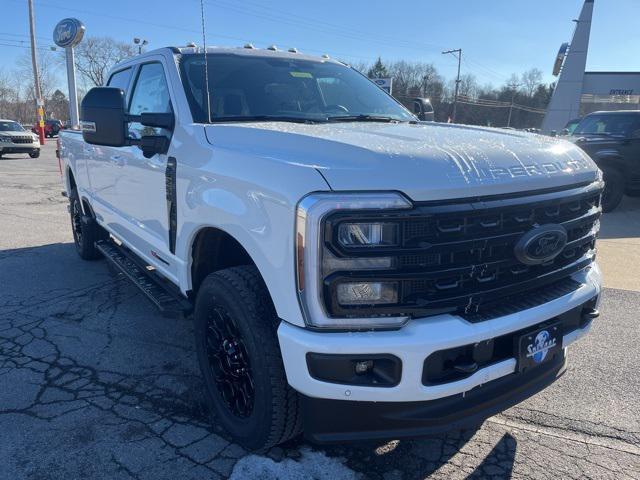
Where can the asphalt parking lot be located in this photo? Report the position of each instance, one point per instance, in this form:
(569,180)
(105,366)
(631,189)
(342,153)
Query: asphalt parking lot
(94,384)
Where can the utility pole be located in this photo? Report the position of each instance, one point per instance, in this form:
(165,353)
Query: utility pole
(513,87)
(456,53)
(36,76)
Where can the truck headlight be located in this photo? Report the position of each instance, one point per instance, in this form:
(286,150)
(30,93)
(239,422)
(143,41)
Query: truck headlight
(368,234)
(320,256)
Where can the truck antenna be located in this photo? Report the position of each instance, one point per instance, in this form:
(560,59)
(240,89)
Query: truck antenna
(206,66)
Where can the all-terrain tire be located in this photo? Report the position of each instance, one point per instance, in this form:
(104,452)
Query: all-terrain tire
(236,301)
(86,231)
(613,189)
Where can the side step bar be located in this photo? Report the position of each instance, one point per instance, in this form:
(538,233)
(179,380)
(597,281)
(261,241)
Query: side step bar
(163,294)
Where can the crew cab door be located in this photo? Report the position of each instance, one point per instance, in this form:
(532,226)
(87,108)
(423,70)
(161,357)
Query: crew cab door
(102,162)
(141,196)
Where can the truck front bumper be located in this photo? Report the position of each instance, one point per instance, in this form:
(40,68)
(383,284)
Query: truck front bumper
(334,421)
(412,344)
(21,149)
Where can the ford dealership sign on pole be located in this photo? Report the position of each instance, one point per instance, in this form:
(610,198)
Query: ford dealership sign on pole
(385,83)
(67,34)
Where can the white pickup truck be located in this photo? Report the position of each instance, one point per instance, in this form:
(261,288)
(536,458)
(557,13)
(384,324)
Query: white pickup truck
(351,271)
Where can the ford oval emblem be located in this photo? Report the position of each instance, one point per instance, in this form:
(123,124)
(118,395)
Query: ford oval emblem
(541,244)
(68,32)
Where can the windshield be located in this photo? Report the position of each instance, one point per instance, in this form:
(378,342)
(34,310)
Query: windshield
(571,126)
(10,127)
(245,88)
(609,124)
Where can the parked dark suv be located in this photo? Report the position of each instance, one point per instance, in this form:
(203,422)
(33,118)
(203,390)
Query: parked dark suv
(612,139)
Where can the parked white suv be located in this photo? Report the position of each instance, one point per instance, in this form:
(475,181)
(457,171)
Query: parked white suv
(15,139)
(352,272)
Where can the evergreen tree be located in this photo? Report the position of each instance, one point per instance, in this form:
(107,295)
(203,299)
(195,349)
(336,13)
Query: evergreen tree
(378,70)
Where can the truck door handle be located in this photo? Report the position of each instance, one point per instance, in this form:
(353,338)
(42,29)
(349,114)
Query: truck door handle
(156,162)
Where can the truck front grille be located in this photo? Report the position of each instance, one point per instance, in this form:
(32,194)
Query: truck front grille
(459,257)
(22,139)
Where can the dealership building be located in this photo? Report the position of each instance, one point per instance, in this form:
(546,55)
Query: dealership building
(579,92)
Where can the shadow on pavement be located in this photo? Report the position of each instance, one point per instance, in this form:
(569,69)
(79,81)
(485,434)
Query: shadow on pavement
(104,354)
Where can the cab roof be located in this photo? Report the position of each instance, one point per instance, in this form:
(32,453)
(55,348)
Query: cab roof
(248,50)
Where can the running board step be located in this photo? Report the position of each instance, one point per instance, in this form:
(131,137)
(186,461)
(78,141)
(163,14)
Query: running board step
(164,295)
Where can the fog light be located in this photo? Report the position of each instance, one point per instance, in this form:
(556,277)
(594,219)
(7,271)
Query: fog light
(363,367)
(367,293)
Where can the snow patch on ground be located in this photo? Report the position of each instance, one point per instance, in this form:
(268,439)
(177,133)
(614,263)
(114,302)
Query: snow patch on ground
(311,466)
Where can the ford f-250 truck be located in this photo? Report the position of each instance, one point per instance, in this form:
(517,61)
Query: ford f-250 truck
(351,272)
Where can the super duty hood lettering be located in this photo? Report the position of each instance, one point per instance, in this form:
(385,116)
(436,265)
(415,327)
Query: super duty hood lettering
(425,161)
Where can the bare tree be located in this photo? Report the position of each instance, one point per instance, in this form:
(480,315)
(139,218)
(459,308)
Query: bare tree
(531,80)
(362,67)
(48,68)
(96,55)
(468,86)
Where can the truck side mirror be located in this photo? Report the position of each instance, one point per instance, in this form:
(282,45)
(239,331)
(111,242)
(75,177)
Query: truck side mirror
(103,117)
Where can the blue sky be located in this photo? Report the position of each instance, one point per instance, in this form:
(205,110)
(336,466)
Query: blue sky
(498,37)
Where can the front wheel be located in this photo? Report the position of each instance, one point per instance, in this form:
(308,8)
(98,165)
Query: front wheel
(613,189)
(35,154)
(240,360)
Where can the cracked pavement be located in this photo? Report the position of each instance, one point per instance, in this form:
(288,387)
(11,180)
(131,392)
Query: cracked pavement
(96,384)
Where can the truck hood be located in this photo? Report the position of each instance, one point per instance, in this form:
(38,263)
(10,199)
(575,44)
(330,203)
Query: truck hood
(426,161)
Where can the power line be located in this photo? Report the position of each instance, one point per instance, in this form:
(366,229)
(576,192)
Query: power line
(24,35)
(174,27)
(323,26)
(22,46)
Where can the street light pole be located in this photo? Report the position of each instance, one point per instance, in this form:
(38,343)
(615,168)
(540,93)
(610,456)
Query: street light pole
(36,76)
(456,53)
(513,87)
(140,43)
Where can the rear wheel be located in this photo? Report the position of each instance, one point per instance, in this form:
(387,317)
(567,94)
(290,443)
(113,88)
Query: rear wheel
(86,232)
(613,189)
(240,360)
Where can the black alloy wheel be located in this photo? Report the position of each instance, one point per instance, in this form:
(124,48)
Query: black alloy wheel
(86,231)
(235,327)
(229,363)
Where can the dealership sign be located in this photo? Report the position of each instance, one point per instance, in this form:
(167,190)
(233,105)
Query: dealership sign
(384,83)
(68,32)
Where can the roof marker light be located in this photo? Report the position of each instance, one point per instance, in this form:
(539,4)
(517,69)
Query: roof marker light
(273,48)
(293,50)
(249,46)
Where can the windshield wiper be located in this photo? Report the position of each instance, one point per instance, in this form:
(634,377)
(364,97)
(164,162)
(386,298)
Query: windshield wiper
(362,118)
(598,134)
(265,118)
